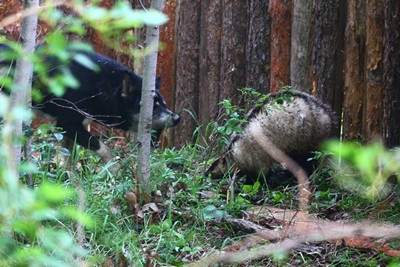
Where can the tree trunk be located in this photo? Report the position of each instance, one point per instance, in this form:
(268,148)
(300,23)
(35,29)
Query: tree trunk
(354,70)
(210,60)
(147,103)
(280,11)
(233,49)
(391,73)
(327,53)
(258,46)
(373,113)
(21,91)
(166,67)
(301,31)
(187,69)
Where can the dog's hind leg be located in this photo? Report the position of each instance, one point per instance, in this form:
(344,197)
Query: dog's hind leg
(85,139)
(68,161)
(104,152)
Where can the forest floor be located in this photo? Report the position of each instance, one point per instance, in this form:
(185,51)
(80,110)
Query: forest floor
(192,220)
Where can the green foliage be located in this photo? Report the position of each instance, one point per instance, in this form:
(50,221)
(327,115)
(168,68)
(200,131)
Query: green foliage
(113,24)
(25,239)
(37,225)
(252,189)
(184,227)
(211,212)
(365,169)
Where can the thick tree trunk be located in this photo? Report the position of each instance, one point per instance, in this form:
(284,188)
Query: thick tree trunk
(373,113)
(280,11)
(187,69)
(258,46)
(166,63)
(210,60)
(147,103)
(301,32)
(327,53)
(21,91)
(233,49)
(391,73)
(354,70)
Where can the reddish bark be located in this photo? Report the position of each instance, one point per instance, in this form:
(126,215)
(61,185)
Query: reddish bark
(373,112)
(353,72)
(166,60)
(289,228)
(280,11)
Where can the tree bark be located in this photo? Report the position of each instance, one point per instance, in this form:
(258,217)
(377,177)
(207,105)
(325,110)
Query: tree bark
(21,91)
(166,63)
(280,11)
(258,46)
(210,60)
(233,49)
(391,73)
(147,103)
(373,113)
(327,53)
(187,69)
(354,70)
(301,31)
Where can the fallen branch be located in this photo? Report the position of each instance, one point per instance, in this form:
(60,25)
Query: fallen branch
(278,155)
(291,228)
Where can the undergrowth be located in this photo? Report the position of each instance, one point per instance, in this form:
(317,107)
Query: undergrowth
(184,220)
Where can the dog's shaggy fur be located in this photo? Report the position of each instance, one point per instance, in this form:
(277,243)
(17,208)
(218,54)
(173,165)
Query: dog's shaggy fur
(293,121)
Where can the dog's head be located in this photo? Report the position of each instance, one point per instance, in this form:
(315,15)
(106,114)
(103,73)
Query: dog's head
(132,94)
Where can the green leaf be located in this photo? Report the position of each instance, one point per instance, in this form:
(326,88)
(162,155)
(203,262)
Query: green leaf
(68,79)
(21,112)
(56,40)
(56,87)
(65,152)
(154,229)
(166,225)
(238,129)
(78,216)
(85,61)
(211,212)
(247,188)
(58,136)
(94,13)
(25,227)
(152,17)
(52,193)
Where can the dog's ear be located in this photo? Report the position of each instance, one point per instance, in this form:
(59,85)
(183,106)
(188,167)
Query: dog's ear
(158,82)
(128,87)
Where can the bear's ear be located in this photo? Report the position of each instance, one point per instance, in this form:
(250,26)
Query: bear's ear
(158,82)
(128,87)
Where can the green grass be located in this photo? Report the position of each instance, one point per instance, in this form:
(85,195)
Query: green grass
(182,222)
